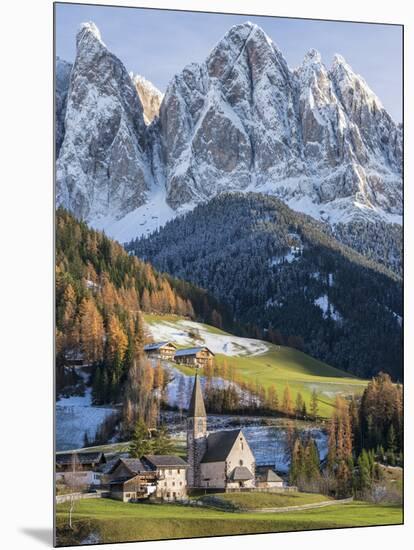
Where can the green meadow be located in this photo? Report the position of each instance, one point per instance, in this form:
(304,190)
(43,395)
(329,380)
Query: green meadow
(112,521)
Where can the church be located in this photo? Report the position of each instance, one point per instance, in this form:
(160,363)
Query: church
(220,460)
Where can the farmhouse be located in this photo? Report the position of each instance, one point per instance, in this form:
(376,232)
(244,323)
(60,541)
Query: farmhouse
(220,460)
(162,350)
(79,469)
(161,476)
(194,357)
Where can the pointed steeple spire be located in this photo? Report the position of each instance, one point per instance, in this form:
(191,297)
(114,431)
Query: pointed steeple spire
(196,407)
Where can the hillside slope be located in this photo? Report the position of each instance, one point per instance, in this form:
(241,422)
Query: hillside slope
(100,292)
(259,361)
(279,272)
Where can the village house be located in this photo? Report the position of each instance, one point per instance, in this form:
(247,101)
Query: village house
(161,350)
(220,460)
(194,357)
(80,469)
(267,478)
(160,476)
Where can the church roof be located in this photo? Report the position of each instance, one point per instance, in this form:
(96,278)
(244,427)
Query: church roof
(219,445)
(241,473)
(196,406)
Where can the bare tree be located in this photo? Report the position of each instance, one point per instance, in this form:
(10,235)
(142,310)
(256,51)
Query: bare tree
(74,483)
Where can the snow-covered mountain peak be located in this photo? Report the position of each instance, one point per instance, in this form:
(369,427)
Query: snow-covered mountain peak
(350,83)
(102,170)
(242,120)
(312,57)
(87,31)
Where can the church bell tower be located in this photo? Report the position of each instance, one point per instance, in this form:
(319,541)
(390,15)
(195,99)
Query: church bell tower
(196,434)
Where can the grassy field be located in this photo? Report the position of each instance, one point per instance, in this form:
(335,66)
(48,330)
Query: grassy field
(282,365)
(112,521)
(278,366)
(248,501)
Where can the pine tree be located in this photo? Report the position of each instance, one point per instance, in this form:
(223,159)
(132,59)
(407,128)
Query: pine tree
(314,404)
(391,440)
(91,330)
(140,443)
(287,404)
(161,442)
(299,404)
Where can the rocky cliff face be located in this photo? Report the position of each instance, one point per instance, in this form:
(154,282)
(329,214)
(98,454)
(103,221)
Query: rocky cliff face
(102,169)
(149,95)
(316,137)
(63,69)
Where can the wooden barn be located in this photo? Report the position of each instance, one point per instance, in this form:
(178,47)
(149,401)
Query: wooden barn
(161,350)
(194,357)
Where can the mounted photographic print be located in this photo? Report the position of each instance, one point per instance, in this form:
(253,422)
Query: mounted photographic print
(229,300)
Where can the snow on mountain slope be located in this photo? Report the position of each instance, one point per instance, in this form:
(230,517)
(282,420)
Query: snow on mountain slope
(102,168)
(316,137)
(244,121)
(145,219)
(63,69)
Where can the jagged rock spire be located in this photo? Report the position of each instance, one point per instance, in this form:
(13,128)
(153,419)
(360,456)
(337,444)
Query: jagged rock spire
(196,407)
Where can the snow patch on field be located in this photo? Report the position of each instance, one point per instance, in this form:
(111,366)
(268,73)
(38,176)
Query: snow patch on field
(76,415)
(227,344)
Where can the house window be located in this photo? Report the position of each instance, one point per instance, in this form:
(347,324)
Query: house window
(181,482)
(178,471)
(165,484)
(173,483)
(241,462)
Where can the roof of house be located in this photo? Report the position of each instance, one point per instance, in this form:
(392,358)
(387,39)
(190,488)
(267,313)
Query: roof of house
(196,406)
(134,465)
(219,445)
(63,459)
(267,474)
(163,461)
(241,473)
(191,351)
(158,345)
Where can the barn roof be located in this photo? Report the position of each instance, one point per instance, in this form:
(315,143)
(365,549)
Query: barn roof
(219,445)
(267,474)
(63,459)
(162,461)
(196,406)
(191,351)
(241,473)
(157,345)
(134,465)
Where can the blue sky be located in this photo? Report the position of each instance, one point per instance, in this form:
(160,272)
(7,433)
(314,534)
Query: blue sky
(158,44)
